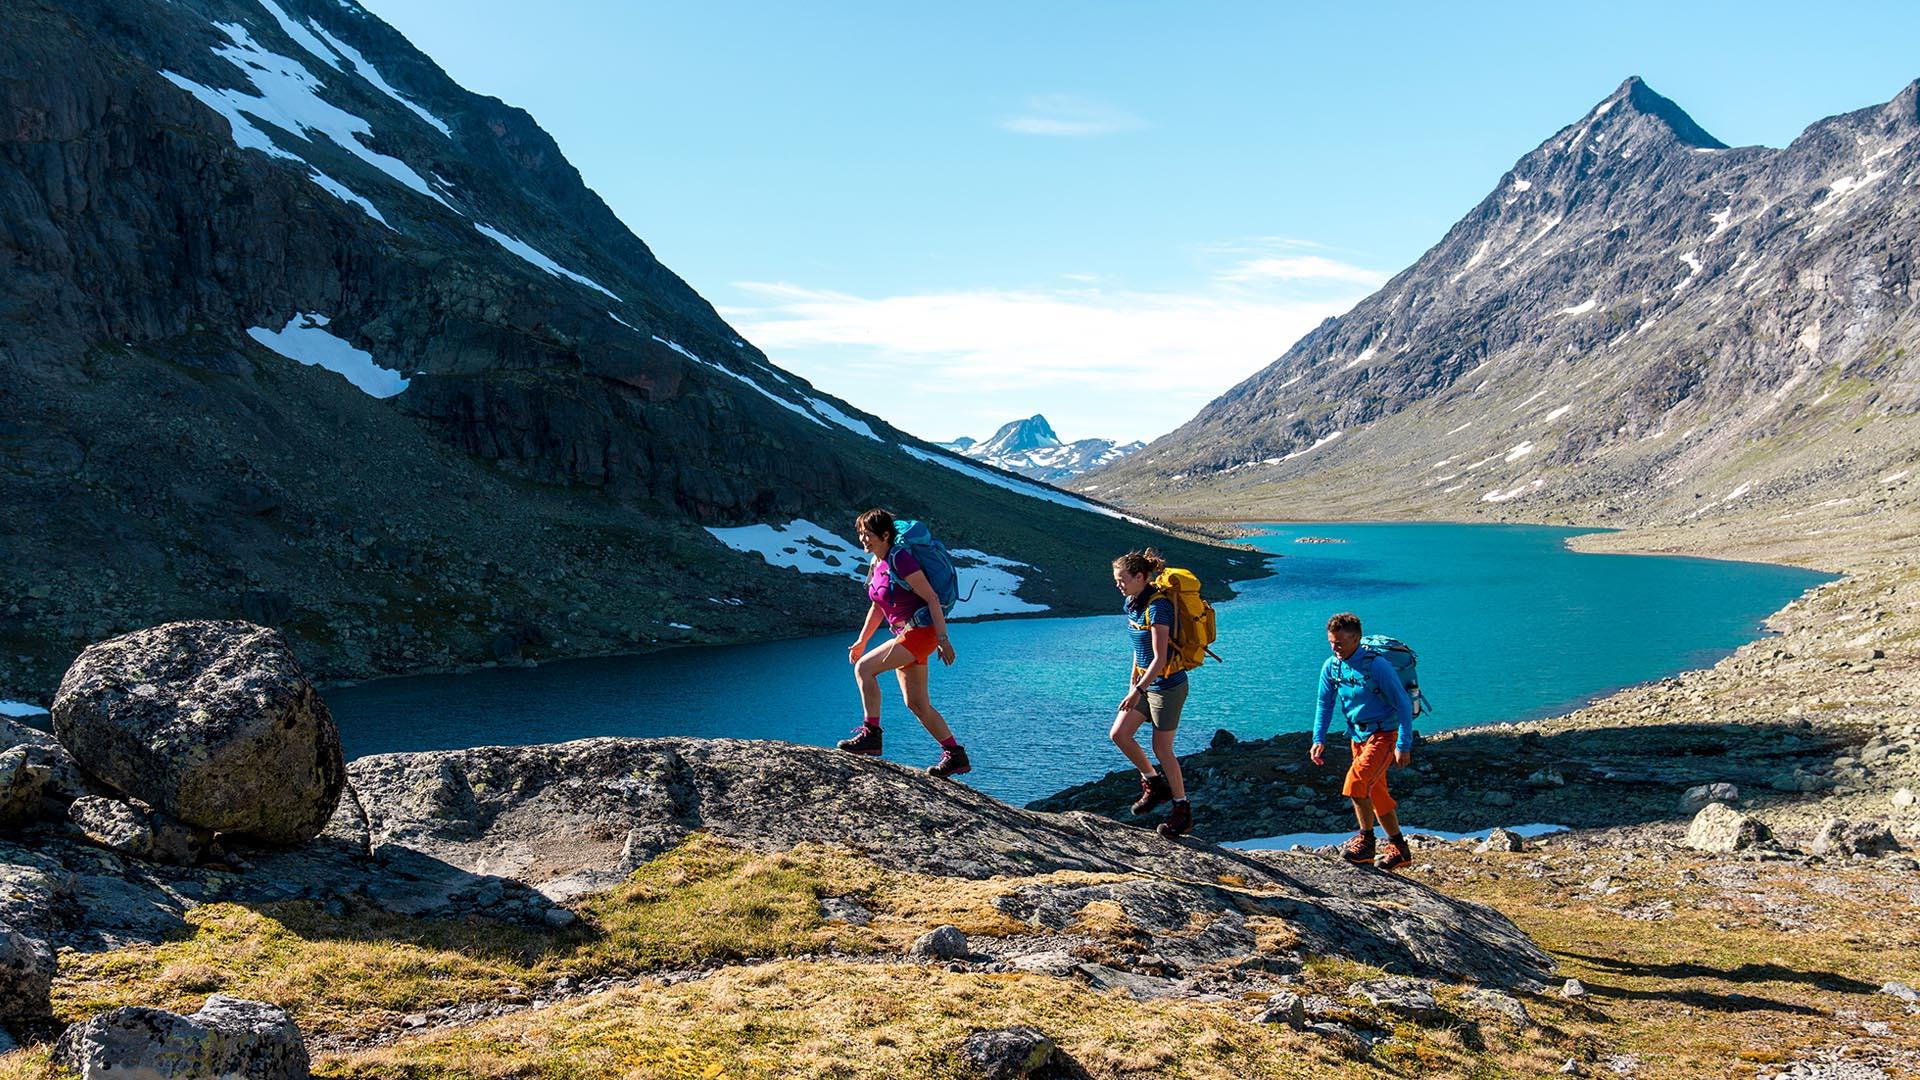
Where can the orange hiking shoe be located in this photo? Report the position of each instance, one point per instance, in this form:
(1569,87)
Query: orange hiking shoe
(1358,849)
(1397,854)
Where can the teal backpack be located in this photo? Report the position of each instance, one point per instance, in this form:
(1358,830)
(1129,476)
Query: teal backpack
(915,537)
(1405,664)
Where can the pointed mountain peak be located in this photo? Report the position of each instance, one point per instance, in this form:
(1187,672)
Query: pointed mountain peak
(1635,98)
(1904,109)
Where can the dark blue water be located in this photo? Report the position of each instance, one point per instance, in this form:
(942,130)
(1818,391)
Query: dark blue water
(1508,624)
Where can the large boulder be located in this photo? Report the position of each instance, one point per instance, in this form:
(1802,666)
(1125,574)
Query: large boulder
(229,1038)
(1722,830)
(210,722)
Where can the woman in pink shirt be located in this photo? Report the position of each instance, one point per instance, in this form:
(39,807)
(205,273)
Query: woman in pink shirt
(911,610)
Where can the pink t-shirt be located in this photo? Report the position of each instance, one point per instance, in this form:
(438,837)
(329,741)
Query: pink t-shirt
(898,605)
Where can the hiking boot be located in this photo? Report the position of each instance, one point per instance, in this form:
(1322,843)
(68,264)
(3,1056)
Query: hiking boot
(1154,790)
(1358,849)
(953,761)
(1179,821)
(1396,855)
(864,741)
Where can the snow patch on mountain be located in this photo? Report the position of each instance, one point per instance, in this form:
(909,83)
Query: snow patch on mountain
(799,544)
(306,340)
(533,255)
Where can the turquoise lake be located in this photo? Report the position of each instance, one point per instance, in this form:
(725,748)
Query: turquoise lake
(1508,623)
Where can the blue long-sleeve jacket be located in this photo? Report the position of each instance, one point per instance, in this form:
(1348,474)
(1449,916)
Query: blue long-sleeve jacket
(1367,693)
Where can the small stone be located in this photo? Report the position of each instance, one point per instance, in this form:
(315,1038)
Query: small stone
(1571,1068)
(940,943)
(558,917)
(1720,829)
(1500,1003)
(1904,799)
(845,909)
(1574,988)
(1497,798)
(1548,777)
(1285,1007)
(1411,998)
(1902,991)
(1223,740)
(1501,840)
(1840,837)
(414,1020)
(1698,797)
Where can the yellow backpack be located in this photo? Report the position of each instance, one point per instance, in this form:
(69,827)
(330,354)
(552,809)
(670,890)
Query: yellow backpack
(1194,627)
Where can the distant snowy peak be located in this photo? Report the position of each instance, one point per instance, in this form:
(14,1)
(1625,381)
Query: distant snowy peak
(1031,448)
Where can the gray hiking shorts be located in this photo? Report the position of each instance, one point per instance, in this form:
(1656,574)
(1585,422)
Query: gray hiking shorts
(1163,706)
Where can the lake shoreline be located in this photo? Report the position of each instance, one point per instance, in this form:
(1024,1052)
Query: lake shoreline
(1811,721)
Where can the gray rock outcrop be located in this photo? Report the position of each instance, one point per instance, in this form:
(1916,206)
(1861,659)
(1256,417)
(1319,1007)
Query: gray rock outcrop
(228,1039)
(940,943)
(1720,829)
(210,722)
(21,783)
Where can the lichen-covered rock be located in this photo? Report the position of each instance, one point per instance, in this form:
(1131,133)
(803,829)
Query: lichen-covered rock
(26,976)
(1501,840)
(65,780)
(211,722)
(139,831)
(1411,998)
(1009,1053)
(229,1039)
(1722,830)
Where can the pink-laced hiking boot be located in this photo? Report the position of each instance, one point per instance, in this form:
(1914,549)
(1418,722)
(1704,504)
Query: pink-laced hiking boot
(1154,790)
(1358,849)
(953,761)
(864,741)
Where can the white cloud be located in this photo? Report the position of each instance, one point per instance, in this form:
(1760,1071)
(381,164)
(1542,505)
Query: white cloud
(1071,116)
(1118,364)
(1302,268)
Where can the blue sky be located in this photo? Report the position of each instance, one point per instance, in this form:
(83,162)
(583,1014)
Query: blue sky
(1105,212)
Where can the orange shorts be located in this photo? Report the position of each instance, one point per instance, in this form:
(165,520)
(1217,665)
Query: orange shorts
(1367,777)
(920,641)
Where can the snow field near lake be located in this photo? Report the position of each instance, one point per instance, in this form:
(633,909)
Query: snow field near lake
(988,583)
(533,255)
(306,340)
(287,97)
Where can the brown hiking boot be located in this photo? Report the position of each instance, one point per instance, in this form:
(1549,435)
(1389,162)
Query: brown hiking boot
(1358,849)
(1154,790)
(953,761)
(1397,854)
(864,741)
(1179,820)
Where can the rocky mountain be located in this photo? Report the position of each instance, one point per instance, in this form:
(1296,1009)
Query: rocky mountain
(1638,325)
(295,328)
(1030,447)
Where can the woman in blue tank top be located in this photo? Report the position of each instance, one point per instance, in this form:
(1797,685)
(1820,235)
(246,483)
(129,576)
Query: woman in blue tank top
(1156,689)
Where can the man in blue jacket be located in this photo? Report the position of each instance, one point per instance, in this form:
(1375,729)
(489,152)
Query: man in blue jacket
(1363,687)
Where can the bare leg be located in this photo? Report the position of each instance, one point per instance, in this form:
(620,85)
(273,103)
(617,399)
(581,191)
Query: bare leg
(1363,813)
(913,687)
(866,673)
(1169,763)
(1391,820)
(1124,726)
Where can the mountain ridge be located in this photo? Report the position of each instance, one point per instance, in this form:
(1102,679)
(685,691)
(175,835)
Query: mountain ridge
(1601,338)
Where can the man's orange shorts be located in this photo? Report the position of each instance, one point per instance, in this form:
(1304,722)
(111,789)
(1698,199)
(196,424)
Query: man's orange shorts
(1367,777)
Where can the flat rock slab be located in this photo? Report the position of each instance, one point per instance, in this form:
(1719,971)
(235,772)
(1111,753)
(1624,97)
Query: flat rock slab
(501,831)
